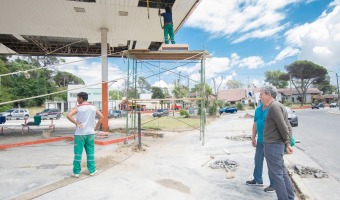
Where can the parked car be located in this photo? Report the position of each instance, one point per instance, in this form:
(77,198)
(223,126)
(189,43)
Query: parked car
(228,109)
(19,114)
(333,105)
(117,113)
(160,113)
(292,117)
(50,113)
(7,113)
(317,106)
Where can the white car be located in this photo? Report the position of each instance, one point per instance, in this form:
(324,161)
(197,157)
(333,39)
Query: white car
(333,105)
(7,113)
(19,114)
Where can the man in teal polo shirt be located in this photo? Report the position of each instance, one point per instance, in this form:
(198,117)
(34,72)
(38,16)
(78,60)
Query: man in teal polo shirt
(258,128)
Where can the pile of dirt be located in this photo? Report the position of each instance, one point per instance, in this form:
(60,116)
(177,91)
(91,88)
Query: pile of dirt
(248,116)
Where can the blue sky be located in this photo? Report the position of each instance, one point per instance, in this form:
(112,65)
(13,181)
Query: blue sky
(245,38)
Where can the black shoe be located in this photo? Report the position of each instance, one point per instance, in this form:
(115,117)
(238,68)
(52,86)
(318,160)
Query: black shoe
(254,183)
(269,189)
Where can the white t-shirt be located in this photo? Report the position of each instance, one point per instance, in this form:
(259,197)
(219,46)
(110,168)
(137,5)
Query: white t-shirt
(86,114)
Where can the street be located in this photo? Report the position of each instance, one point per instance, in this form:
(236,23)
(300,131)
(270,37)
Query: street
(318,132)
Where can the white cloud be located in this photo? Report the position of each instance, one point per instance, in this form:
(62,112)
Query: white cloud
(90,70)
(252,62)
(287,52)
(319,40)
(213,67)
(162,84)
(240,19)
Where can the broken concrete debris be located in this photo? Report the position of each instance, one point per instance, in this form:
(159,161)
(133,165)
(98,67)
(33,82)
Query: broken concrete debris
(239,138)
(230,164)
(307,172)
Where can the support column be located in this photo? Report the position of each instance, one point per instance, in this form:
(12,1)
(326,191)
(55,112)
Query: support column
(105,92)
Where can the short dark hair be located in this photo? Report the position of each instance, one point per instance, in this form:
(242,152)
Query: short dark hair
(168,9)
(83,95)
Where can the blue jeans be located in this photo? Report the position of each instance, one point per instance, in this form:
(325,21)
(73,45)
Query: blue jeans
(259,157)
(277,171)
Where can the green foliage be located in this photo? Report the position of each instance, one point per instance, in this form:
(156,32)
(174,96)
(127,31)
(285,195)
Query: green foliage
(143,84)
(17,86)
(234,84)
(63,79)
(5,96)
(132,93)
(115,94)
(239,106)
(274,77)
(179,90)
(251,104)
(184,113)
(219,103)
(287,102)
(227,104)
(157,93)
(212,109)
(199,89)
(304,73)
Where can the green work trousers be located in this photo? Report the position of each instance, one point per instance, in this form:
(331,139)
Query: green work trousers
(81,142)
(169,30)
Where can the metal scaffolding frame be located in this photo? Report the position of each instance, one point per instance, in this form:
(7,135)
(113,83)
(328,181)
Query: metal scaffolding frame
(182,58)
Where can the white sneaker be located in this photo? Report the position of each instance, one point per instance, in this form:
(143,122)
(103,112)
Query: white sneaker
(75,175)
(94,173)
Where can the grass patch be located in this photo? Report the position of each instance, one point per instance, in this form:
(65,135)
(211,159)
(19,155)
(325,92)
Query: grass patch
(170,123)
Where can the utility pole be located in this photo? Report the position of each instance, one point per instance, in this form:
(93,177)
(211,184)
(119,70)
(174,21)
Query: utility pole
(290,85)
(337,82)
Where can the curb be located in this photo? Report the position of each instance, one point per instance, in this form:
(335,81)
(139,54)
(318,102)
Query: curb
(107,142)
(6,146)
(304,192)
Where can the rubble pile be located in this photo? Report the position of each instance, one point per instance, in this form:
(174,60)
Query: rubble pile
(229,164)
(239,138)
(248,116)
(306,172)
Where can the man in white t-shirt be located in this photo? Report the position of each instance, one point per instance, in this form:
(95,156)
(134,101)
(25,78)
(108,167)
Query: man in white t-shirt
(84,135)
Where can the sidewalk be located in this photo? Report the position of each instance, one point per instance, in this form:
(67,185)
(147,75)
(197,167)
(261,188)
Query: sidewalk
(169,168)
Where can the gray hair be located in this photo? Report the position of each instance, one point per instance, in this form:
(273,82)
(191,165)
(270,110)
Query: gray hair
(270,89)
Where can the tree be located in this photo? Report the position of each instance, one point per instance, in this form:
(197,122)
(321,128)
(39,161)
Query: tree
(157,93)
(115,94)
(198,89)
(304,73)
(143,84)
(274,77)
(234,84)
(217,88)
(325,86)
(179,90)
(63,79)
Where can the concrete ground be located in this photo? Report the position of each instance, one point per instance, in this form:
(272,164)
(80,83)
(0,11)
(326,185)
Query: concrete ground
(168,168)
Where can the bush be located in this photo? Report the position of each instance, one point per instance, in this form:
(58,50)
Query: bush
(212,109)
(184,113)
(251,104)
(239,106)
(227,104)
(287,102)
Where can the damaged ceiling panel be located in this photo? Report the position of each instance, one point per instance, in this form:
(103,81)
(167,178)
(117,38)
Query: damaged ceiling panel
(73,27)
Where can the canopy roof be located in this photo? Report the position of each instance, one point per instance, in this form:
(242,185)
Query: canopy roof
(73,27)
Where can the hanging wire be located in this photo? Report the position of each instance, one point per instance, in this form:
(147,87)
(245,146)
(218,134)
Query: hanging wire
(85,86)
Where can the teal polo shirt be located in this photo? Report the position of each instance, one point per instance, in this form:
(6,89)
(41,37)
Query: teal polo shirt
(260,120)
